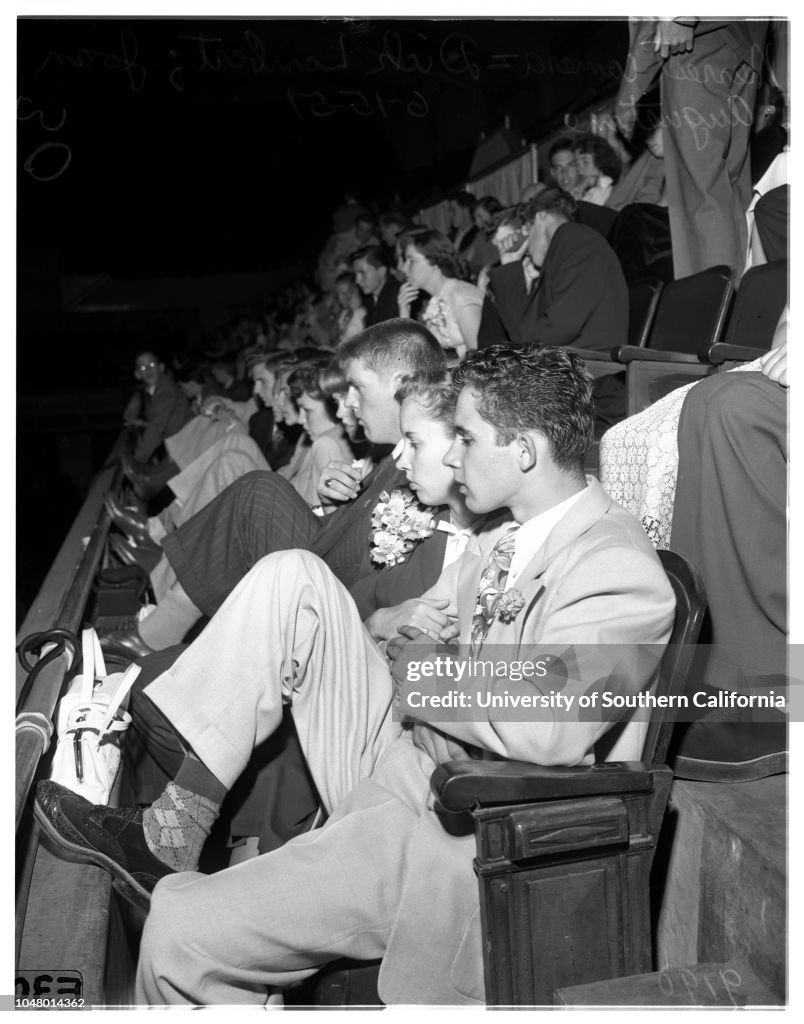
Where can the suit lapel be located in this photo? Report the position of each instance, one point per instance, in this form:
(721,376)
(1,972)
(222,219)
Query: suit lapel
(581,517)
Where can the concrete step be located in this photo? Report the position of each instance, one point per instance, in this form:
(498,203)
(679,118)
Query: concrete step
(703,985)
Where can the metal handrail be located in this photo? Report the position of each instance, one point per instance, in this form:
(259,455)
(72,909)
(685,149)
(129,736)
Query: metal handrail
(60,603)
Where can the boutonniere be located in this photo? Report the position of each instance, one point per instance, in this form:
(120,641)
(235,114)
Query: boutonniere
(398,523)
(510,605)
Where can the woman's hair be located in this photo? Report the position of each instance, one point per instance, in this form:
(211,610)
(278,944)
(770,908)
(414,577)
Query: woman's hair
(331,380)
(606,159)
(304,380)
(437,396)
(436,249)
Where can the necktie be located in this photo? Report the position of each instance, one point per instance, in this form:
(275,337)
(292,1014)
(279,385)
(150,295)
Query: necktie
(491,587)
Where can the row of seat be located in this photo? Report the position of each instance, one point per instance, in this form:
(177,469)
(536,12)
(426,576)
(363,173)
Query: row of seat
(689,328)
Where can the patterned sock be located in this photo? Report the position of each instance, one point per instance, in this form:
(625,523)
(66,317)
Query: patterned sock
(177,824)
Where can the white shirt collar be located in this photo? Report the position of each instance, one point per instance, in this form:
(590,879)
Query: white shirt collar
(531,535)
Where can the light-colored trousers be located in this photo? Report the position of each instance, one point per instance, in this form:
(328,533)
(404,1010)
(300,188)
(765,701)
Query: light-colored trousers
(288,632)
(205,478)
(195,437)
(216,467)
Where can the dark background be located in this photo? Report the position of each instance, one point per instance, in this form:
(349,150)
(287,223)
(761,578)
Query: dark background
(181,147)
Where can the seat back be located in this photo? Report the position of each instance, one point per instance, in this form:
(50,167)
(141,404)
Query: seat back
(640,236)
(692,311)
(643,301)
(690,597)
(757,306)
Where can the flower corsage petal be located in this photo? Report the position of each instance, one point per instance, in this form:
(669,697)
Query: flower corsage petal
(398,523)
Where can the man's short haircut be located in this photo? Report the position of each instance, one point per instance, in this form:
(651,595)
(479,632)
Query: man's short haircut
(549,200)
(562,143)
(375,255)
(547,389)
(509,217)
(436,395)
(395,345)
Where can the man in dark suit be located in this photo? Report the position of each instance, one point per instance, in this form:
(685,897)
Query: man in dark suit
(379,286)
(579,297)
(261,513)
(166,408)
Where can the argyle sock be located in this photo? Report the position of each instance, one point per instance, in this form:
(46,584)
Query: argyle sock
(177,824)
(170,620)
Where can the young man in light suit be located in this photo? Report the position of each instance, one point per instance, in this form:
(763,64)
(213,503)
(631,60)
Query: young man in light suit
(386,875)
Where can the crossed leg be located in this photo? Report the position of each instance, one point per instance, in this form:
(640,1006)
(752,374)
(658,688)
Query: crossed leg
(288,632)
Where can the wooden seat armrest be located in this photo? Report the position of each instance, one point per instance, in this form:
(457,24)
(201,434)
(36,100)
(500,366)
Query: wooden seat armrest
(462,785)
(722,351)
(633,353)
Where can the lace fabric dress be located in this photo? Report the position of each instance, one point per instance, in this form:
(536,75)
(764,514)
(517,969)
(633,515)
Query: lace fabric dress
(439,315)
(639,461)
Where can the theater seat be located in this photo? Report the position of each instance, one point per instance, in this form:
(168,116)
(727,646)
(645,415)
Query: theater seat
(690,319)
(564,854)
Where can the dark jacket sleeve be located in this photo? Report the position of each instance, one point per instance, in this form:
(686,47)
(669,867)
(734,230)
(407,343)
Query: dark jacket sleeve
(168,413)
(504,307)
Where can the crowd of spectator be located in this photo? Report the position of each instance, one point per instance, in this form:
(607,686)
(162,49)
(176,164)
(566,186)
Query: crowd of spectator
(448,368)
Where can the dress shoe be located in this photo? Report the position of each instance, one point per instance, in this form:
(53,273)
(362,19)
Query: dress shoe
(129,520)
(125,642)
(110,837)
(140,479)
(146,556)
